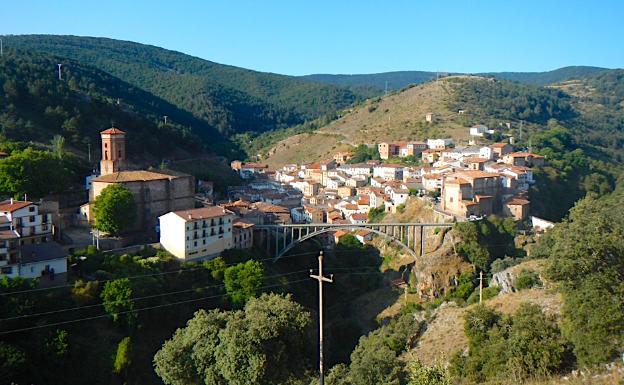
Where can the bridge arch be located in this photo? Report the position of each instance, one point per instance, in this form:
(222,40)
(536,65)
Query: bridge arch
(313,234)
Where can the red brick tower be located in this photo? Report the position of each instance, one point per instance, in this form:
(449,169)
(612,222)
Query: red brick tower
(113,151)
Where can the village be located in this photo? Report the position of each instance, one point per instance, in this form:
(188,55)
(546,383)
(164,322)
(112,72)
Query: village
(181,215)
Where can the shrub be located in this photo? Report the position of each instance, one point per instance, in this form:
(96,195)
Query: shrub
(526,279)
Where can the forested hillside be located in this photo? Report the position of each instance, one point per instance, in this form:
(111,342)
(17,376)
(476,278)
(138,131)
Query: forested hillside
(232,99)
(37,105)
(400,79)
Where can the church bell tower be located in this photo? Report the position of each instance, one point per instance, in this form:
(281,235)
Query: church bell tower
(113,151)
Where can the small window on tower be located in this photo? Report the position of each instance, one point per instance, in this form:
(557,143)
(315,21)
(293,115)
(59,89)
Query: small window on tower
(105,155)
(105,145)
(119,154)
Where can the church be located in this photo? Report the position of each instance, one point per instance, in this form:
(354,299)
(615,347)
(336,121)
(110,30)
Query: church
(156,192)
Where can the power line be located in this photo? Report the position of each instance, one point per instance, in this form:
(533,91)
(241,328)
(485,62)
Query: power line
(137,298)
(146,275)
(183,270)
(135,310)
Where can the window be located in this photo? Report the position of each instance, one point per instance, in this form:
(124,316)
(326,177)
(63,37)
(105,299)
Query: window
(7,270)
(204,241)
(195,244)
(119,154)
(105,145)
(105,155)
(32,218)
(31,209)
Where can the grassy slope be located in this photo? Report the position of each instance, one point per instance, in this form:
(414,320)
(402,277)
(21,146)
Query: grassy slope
(398,116)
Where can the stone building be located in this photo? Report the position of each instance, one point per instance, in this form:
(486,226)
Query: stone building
(155,192)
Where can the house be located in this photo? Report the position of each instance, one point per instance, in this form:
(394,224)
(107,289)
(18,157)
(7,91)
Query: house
(338,234)
(357,181)
(376,198)
(357,169)
(429,117)
(273,214)
(314,214)
(475,163)
(399,196)
(310,188)
(26,246)
(364,236)
(517,208)
(439,144)
(485,152)
(333,183)
(197,234)
(248,170)
(480,130)
(343,157)
(388,172)
(346,191)
(242,234)
(387,150)
(524,159)
(298,215)
(500,149)
(359,218)
(430,156)
(469,193)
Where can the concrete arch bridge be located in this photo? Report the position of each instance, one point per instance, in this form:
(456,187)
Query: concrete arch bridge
(280,239)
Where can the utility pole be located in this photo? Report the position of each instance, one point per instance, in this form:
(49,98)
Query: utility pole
(320,280)
(59,70)
(1,48)
(89,150)
(165,117)
(480,287)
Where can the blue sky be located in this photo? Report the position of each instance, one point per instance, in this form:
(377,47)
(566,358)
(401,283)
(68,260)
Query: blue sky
(299,37)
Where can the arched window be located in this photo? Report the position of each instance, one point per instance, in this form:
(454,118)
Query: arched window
(105,155)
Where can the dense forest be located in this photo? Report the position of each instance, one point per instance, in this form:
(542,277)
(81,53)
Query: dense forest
(38,105)
(234,100)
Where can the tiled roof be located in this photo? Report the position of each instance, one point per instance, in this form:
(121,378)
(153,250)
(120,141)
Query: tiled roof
(141,175)
(202,213)
(113,131)
(16,205)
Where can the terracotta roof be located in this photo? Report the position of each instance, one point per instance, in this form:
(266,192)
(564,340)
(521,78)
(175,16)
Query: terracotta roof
(269,208)
(475,159)
(351,206)
(517,202)
(340,233)
(457,181)
(141,175)
(364,200)
(499,145)
(254,165)
(242,224)
(474,174)
(202,213)
(16,205)
(113,131)
(359,216)
(363,233)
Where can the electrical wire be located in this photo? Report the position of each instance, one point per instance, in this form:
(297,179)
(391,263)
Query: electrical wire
(134,310)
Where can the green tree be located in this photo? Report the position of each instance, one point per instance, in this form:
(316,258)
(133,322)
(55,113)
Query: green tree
(420,374)
(123,357)
(242,281)
(585,254)
(12,362)
(57,345)
(58,142)
(373,362)
(114,209)
(266,343)
(117,298)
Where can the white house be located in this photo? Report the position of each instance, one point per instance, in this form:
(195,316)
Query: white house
(439,144)
(478,130)
(356,169)
(26,246)
(485,152)
(399,196)
(197,234)
(358,218)
(388,172)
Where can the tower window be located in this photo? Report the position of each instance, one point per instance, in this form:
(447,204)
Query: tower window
(105,145)
(105,155)
(119,154)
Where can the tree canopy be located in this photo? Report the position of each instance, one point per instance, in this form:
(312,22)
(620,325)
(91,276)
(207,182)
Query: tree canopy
(114,209)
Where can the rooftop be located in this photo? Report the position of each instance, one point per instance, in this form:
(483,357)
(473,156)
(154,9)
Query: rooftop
(202,213)
(11,205)
(139,176)
(113,131)
(42,252)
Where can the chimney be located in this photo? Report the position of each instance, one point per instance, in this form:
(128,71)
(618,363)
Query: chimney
(11,200)
(190,216)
